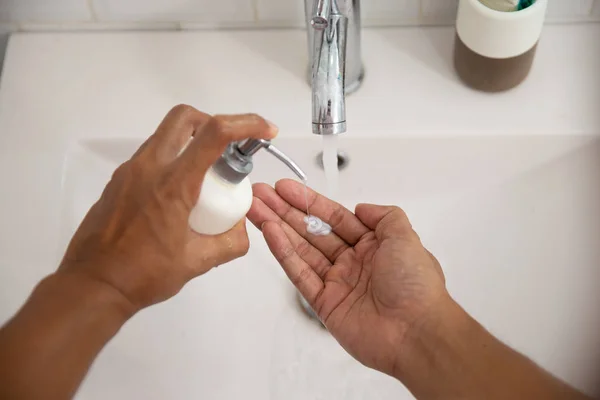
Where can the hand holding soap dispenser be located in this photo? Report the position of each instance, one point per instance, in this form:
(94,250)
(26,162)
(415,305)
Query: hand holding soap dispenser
(226,192)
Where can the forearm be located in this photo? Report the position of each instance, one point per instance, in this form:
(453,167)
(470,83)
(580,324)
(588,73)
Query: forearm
(47,348)
(454,357)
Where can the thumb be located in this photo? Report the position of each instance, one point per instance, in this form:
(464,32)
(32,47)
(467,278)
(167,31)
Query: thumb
(386,221)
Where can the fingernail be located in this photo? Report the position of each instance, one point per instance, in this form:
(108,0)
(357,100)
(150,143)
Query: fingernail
(272,126)
(263,225)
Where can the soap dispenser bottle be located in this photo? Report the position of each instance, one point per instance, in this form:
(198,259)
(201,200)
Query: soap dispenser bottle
(226,192)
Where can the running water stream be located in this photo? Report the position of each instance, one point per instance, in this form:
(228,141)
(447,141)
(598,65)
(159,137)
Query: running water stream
(314,225)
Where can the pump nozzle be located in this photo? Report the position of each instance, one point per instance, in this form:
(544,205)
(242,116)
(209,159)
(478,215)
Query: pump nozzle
(236,163)
(251,146)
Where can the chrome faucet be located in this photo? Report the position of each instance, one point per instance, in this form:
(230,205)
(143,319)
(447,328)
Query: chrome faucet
(336,65)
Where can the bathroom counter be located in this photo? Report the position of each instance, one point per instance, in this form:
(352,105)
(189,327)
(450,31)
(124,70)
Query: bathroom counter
(59,89)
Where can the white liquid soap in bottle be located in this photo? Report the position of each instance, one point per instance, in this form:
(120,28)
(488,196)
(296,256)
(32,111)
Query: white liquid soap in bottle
(226,192)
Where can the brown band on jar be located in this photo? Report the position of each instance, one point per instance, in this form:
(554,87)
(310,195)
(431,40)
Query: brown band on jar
(491,74)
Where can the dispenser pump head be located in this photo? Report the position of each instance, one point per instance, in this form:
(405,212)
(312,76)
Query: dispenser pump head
(236,162)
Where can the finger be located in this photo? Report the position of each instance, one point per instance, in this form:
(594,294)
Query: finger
(343,222)
(209,251)
(172,134)
(210,141)
(332,246)
(260,213)
(386,221)
(300,273)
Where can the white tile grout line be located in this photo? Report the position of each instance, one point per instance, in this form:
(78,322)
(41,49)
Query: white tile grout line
(118,27)
(590,8)
(255,10)
(99,26)
(92,9)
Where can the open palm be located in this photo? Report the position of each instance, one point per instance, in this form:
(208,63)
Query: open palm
(369,281)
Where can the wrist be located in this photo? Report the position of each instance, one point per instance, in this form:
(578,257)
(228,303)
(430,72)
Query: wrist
(56,335)
(89,294)
(429,345)
(450,355)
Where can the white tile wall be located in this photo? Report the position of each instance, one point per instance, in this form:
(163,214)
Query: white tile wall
(184,14)
(45,10)
(98,26)
(281,12)
(390,12)
(596,9)
(569,10)
(217,11)
(436,11)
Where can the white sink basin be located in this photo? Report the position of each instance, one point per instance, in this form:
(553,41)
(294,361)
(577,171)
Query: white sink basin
(515,222)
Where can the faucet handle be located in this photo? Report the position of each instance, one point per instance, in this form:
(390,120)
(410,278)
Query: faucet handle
(321,10)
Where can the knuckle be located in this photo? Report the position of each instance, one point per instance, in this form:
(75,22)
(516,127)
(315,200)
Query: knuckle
(163,189)
(183,110)
(130,171)
(400,215)
(288,213)
(301,277)
(303,248)
(137,168)
(133,171)
(337,216)
(142,149)
(397,210)
(219,123)
(337,253)
(167,188)
(285,254)
(254,118)
(121,171)
(322,268)
(219,128)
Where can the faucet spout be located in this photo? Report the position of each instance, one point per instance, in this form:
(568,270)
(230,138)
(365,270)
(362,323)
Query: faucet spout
(334,48)
(328,70)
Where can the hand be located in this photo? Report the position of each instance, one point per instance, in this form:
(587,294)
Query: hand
(136,239)
(371,281)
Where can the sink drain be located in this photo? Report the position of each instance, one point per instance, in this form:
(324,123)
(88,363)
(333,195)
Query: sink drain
(342,160)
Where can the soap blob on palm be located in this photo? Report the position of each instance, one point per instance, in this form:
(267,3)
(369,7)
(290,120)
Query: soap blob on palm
(315,226)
